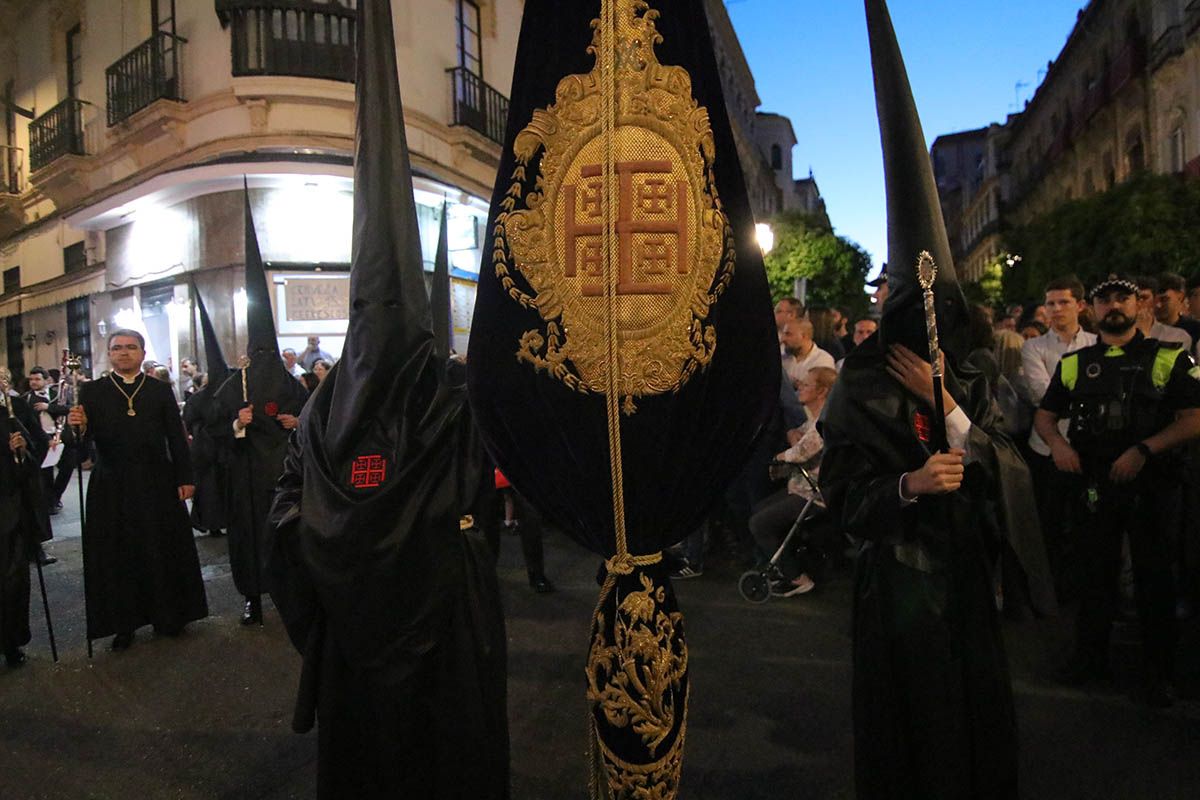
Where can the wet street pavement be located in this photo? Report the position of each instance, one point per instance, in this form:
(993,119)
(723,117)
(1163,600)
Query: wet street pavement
(208,715)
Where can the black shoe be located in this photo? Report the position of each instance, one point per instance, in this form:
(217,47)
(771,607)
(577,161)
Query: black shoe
(252,613)
(1082,669)
(122,641)
(55,509)
(541,584)
(44,559)
(14,657)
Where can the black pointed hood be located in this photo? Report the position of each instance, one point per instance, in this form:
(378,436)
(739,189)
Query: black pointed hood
(389,332)
(260,323)
(214,360)
(915,221)
(439,295)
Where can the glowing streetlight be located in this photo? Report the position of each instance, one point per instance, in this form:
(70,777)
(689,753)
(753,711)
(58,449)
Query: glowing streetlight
(765,236)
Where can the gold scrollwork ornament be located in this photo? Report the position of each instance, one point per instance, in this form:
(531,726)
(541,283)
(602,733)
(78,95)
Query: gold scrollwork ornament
(637,680)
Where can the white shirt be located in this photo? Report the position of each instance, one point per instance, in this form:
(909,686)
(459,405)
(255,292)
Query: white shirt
(1169,333)
(797,368)
(1039,358)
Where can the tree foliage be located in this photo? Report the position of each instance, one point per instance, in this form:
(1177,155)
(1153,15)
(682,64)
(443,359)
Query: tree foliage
(807,247)
(1145,226)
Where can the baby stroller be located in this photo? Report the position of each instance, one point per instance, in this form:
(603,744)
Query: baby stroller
(755,584)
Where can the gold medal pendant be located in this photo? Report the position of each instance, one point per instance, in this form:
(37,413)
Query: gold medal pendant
(128,397)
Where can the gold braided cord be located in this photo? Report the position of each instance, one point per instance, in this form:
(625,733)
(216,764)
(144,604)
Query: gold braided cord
(608,39)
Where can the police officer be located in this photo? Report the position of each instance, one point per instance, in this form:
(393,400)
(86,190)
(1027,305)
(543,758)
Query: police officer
(1132,402)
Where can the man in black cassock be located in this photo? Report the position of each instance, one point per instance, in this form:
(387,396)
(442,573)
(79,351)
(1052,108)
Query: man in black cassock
(396,613)
(139,559)
(933,707)
(255,410)
(22,448)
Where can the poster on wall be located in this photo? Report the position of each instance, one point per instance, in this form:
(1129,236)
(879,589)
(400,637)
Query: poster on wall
(320,300)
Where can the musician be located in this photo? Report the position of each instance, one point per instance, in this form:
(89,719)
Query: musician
(139,559)
(44,397)
(20,520)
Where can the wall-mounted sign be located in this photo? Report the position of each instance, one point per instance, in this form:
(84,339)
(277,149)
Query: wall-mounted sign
(317,299)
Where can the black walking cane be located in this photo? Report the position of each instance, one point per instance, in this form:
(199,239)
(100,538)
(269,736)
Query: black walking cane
(926,275)
(82,456)
(19,428)
(73,365)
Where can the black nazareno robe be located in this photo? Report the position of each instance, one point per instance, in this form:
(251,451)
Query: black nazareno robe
(933,707)
(20,522)
(395,611)
(255,462)
(139,557)
(210,505)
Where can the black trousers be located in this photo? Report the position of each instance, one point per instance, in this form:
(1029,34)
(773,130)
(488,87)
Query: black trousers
(1142,510)
(1057,494)
(528,526)
(55,484)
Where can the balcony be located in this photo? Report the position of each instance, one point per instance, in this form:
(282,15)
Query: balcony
(1127,65)
(477,105)
(297,38)
(1169,45)
(1094,100)
(57,133)
(146,73)
(12,210)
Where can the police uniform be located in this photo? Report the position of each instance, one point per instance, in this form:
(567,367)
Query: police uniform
(1115,398)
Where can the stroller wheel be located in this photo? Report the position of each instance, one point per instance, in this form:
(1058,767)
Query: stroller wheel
(754,586)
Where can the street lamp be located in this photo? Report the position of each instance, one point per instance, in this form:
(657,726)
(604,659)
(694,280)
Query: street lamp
(765,236)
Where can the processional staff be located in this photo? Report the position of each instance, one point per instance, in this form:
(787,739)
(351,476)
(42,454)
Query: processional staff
(927,271)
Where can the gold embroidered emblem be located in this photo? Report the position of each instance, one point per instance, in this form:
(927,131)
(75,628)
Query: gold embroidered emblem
(658,218)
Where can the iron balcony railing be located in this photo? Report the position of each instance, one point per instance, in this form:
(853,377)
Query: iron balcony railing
(477,105)
(56,133)
(301,38)
(146,73)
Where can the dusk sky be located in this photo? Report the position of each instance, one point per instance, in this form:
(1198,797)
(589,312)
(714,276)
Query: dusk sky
(965,58)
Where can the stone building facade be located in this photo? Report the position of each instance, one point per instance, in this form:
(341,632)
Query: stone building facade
(1122,97)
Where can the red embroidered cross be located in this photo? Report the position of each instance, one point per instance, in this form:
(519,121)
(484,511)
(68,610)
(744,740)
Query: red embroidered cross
(368,472)
(922,426)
